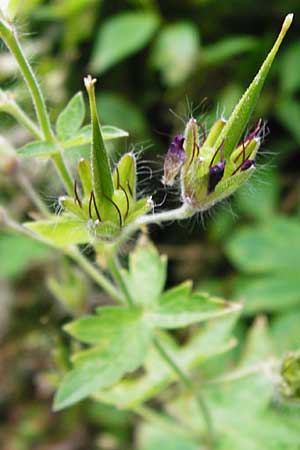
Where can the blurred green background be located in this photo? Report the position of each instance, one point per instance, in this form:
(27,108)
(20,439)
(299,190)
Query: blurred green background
(157,62)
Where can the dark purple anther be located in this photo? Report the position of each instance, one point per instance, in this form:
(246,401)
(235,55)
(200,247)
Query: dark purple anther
(215,174)
(174,160)
(247,164)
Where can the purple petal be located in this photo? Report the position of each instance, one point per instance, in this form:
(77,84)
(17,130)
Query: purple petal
(174,159)
(215,174)
(247,164)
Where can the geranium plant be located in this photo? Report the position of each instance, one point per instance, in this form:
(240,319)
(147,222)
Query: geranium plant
(124,353)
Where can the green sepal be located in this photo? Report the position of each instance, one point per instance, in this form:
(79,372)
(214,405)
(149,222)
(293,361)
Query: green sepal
(101,172)
(125,175)
(68,204)
(241,114)
(84,171)
(191,143)
(141,207)
(214,133)
(102,230)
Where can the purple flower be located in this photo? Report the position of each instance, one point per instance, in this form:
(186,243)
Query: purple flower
(174,159)
(248,163)
(215,174)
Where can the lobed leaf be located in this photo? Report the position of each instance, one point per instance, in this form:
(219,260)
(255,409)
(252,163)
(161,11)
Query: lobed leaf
(37,148)
(71,118)
(178,308)
(147,274)
(101,367)
(61,231)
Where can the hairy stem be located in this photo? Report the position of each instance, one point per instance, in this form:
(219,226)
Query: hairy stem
(72,252)
(116,271)
(12,108)
(188,383)
(26,185)
(8,34)
(96,275)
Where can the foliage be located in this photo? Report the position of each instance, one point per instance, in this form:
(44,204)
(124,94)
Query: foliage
(158,361)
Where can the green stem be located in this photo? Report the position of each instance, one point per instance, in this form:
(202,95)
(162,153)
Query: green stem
(26,185)
(187,382)
(97,276)
(72,252)
(10,38)
(12,108)
(183,212)
(116,271)
(162,420)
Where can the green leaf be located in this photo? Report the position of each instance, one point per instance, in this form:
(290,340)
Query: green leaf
(176,52)
(101,172)
(206,343)
(61,231)
(37,148)
(84,136)
(147,273)
(271,247)
(272,293)
(226,48)
(168,436)
(261,201)
(288,69)
(120,36)
(285,329)
(178,308)
(71,118)
(123,351)
(22,253)
(108,325)
(238,120)
(121,112)
(288,112)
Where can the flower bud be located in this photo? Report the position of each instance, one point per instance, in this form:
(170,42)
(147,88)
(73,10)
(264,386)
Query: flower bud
(174,160)
(290,373)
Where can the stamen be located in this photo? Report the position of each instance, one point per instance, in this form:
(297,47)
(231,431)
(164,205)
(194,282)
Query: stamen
(118,210)
(95,206)
(118,177)
(90,205)
(77,199)
(221,147)
(127,202)
(244,164)
(129,188)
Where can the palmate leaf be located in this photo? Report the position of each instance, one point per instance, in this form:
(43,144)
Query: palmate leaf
(147,273)
(244,414)
(122,350)
(179,308)
(211,340)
